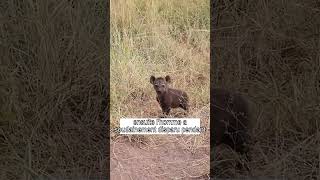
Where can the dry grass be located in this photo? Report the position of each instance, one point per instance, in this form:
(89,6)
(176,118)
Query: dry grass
(52,89)
(269,50)
(52,80)
(159,38)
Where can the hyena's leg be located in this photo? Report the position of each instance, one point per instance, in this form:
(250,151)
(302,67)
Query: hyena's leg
(165,111)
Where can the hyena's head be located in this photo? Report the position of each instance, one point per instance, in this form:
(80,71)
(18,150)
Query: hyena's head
(160,84)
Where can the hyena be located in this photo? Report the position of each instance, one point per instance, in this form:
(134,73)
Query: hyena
(168,97)
(230,118)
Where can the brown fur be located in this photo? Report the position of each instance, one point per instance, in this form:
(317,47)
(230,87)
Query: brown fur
(167,97)
(230,120)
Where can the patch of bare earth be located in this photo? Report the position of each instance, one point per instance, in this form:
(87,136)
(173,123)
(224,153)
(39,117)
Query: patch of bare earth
(162,156)
(168,158)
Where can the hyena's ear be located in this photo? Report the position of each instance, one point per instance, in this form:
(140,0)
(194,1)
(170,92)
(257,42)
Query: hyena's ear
(152,78)
(168,79)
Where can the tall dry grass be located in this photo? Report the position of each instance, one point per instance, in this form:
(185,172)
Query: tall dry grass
(53,89)
(157,38)
(269,50)
(150,37)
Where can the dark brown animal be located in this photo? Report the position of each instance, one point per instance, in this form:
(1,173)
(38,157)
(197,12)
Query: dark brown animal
(167,97)
(230,118)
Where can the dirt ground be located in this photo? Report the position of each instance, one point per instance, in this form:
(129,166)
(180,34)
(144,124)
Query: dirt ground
(162,156)
(170,157)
